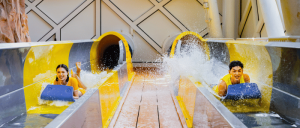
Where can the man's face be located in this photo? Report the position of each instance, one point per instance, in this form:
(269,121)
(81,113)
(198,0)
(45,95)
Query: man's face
(236,73)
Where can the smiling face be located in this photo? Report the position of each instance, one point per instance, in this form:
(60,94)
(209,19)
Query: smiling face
(61,74)
(236,73)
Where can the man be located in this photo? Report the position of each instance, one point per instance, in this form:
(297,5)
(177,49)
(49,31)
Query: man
(235,76)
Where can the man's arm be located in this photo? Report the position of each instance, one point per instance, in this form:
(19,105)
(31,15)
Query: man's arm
(222,88)
(246,78)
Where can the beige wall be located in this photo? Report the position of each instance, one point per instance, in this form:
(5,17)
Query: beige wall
(148,22)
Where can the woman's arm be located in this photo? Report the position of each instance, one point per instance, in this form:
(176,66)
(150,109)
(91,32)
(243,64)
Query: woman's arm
(77,77)
(74,84)
(75,94)
(55,82)
(80,84)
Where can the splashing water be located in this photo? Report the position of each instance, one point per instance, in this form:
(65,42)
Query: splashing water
(192,61)
(89,79)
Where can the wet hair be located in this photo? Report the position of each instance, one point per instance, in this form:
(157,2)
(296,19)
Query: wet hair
(235,63)
(66,68)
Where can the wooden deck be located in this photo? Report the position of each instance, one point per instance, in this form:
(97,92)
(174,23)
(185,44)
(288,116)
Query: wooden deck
(149,103)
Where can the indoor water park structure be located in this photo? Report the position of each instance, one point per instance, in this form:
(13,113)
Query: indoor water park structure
(149,63)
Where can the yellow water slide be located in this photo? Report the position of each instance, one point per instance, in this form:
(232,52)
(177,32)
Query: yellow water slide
(266,62)
(32,66)
(122,97)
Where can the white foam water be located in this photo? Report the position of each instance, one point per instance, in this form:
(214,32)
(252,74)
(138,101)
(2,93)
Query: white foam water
(89,79)
(192,61)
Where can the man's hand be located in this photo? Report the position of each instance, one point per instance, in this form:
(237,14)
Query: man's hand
(222,88)
(246,78)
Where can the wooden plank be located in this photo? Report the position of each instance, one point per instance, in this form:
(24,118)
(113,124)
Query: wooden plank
(148,116)
(167,112)
(130,109)
(139,77)
(149,103)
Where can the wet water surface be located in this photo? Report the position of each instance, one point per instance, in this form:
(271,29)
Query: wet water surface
(30,121)
(264,120)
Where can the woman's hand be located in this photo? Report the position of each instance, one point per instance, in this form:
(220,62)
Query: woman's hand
(75,94)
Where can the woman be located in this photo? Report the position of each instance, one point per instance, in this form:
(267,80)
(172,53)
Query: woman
(62,78)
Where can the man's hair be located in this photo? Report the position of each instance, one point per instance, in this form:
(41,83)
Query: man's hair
(235,63)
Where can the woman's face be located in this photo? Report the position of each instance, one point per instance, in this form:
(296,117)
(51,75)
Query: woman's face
(61,74)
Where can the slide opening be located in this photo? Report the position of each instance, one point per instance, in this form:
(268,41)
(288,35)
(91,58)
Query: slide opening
(188,41)
(109,52)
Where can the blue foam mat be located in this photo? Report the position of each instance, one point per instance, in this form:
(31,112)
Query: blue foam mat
(58,92)
(243,91)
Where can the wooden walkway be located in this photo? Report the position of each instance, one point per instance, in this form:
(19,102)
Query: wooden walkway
(149,103)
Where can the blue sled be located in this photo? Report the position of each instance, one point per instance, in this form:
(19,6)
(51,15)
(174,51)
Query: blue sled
(58,92)
(243,91)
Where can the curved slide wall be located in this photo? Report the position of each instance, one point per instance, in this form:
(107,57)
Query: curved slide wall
(274,66)
(25,67)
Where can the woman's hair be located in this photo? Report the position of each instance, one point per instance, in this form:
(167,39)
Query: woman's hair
(66,68)
(235,63)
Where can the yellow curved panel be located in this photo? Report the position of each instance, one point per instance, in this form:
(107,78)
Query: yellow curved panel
(206,48)
(186,99)
(258,65)
(109,94)
(39,68)
(94,54)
